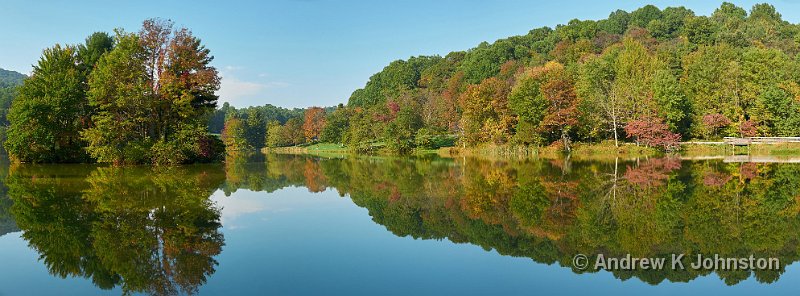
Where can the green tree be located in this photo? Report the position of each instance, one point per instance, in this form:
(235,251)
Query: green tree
(51,111)
(9,84)
(118,93)
(671,24)
(671,101)
(700,30)
(337,124)
(275,134)
(255,128)
(643,16)
(618,84)
(616,23)
(712,83)
(781,114)
(96,46)
(401,132)
(528,103)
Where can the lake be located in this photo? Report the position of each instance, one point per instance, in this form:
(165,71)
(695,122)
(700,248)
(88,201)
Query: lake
(309,225)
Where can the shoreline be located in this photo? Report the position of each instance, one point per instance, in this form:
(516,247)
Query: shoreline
(581,151)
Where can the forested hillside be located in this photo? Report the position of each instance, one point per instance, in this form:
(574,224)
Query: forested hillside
(247,127)
(10,78)
(651,76)
(9,81)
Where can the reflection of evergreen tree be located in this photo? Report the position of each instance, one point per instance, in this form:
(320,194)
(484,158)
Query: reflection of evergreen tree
(147,231)
(549,211)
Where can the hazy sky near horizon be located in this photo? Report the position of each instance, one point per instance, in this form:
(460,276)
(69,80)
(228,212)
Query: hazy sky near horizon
(299,53)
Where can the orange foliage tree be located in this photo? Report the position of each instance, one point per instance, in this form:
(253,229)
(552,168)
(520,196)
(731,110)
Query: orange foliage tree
(314,123)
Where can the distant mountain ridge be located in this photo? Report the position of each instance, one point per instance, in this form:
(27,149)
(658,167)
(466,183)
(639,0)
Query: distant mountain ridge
(10,78)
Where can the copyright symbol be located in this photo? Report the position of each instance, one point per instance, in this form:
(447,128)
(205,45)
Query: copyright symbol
(580,261)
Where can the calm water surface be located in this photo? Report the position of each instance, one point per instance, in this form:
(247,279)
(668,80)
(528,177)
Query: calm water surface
(300,225)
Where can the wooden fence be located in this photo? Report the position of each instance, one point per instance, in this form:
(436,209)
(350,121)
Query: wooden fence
(759,140)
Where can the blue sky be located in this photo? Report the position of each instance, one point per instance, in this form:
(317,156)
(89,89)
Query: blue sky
(299,53)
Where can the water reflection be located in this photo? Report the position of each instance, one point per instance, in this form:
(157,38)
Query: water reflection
(551,210)
(7,223)
(145,231)
(157,231)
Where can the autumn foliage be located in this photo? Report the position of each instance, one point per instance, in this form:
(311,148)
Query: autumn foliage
(314,123)
(652,132)
(748,129)
(558,90)
(486,116)
(714,122)
(650,76)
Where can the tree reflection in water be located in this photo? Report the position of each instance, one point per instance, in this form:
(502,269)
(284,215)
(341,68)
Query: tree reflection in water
(146,231)
(157,232)
(551,210)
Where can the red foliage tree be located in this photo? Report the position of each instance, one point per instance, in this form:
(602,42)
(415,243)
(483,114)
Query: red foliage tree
(749,170)
(716,179)
(748,129)
(652,132)
(714,122)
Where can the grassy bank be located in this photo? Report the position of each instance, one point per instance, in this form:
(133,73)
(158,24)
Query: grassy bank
(329,148)
(580,151)
(784,149)
(322,149)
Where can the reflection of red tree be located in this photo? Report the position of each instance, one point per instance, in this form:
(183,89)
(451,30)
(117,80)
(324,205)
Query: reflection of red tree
(749,170)
(394,193)
(716,179)
(556,162)
(652,172)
